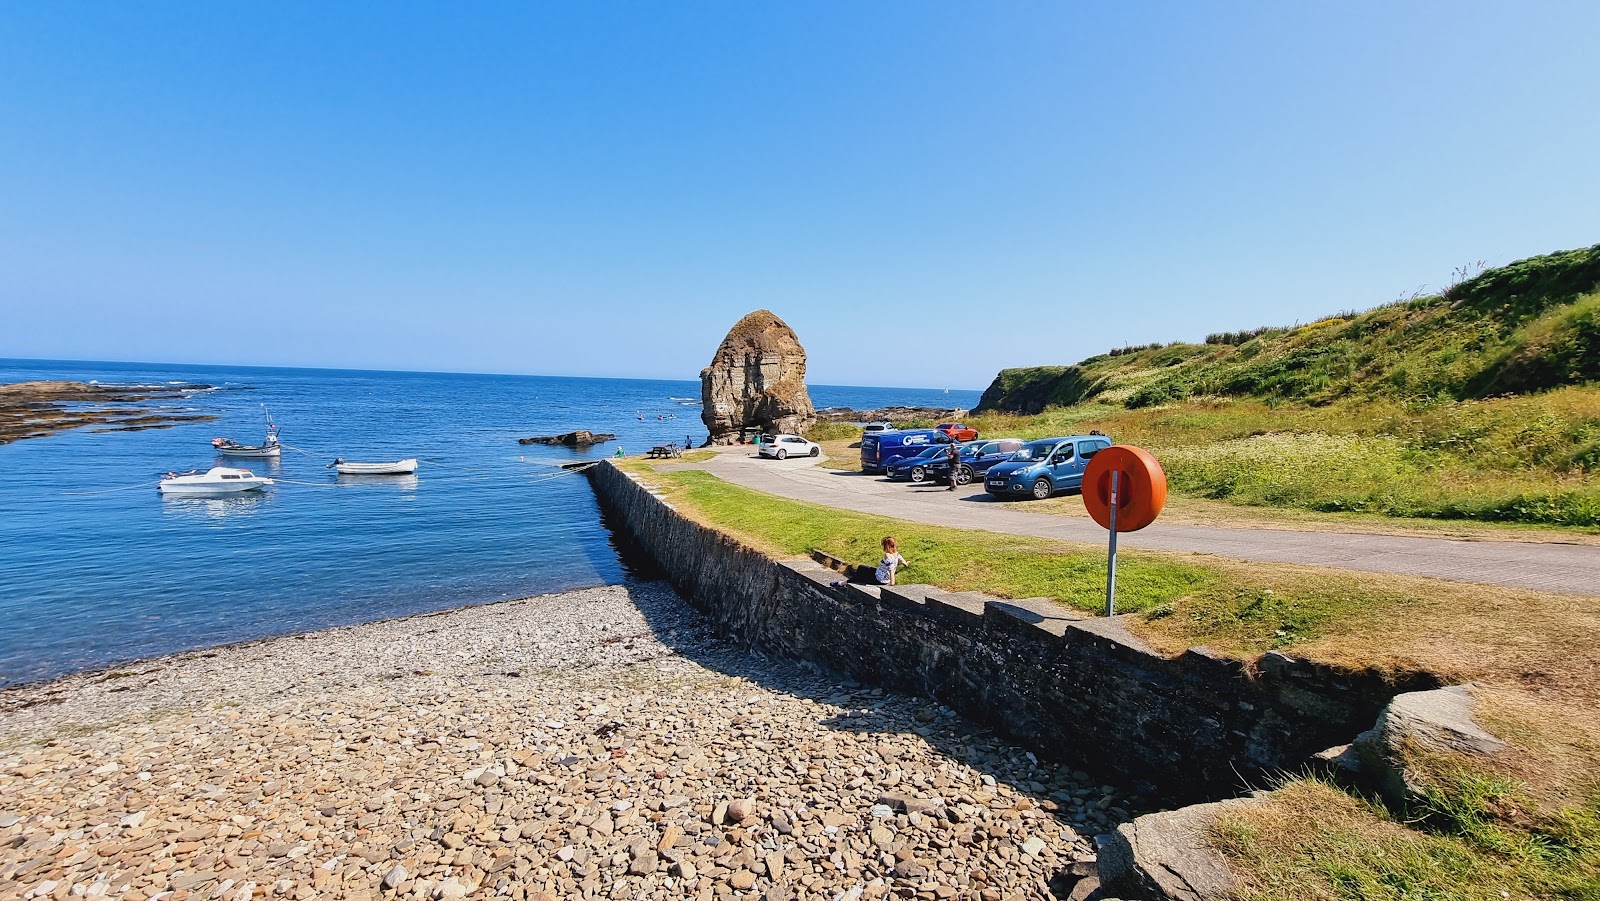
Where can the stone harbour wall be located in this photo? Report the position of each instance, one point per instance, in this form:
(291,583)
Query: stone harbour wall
(1079,690)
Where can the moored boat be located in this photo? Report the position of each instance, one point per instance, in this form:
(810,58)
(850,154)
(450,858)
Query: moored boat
(397,468)
(217,480)
(267,448)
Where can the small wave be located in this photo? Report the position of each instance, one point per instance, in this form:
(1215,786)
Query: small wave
(682,398)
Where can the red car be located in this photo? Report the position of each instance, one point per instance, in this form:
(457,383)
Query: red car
(958,431)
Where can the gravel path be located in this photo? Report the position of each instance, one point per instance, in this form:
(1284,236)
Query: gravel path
(594,744)
(1564,568)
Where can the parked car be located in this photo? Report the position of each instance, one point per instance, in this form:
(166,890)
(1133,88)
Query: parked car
(979,457)
(876,427)
(919,467)
(958,431)
(1043,468)
(880,449)
(784,446)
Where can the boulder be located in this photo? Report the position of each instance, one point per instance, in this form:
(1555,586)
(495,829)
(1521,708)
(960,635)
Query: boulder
(757,379)
(1415,725)
(580,438)
(1166,856)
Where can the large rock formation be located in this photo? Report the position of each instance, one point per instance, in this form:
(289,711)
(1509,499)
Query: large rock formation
(757,379)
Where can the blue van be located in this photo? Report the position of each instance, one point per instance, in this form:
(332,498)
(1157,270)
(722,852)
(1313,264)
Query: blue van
(879,449)
(1043,468)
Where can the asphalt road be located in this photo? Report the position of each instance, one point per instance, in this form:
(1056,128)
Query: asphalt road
(1566,568)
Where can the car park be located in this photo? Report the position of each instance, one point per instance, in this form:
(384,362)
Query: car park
(1044,468)
(919,467)
(782,447)
(879,450)
(957,431)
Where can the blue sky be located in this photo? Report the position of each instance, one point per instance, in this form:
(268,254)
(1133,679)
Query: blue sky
(927,192)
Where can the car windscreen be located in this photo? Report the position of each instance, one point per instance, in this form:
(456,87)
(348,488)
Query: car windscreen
(935,450)
(1034,451)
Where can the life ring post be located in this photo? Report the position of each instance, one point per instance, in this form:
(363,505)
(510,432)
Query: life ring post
(1124,489)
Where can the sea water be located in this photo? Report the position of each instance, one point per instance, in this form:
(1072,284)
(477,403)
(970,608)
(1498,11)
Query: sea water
(97,567)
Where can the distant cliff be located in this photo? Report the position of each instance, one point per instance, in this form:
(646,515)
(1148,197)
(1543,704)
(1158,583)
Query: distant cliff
(1518,329)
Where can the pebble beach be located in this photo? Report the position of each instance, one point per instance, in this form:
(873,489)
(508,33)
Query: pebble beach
(594,744)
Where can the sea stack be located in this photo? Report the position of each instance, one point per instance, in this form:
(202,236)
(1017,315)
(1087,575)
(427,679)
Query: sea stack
(756,380)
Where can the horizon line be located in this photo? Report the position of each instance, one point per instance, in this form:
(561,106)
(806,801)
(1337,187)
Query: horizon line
(534,375)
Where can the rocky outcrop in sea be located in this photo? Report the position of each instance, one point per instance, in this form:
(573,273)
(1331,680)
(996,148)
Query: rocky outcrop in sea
(757,379)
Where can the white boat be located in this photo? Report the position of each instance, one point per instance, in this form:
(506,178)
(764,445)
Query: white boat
(267,448)
(397,468)
(215,481)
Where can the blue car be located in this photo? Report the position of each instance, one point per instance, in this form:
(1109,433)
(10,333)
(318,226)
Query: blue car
(919,467)
(1044,468)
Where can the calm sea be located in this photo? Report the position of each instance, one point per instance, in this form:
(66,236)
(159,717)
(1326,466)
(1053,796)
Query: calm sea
(89,579)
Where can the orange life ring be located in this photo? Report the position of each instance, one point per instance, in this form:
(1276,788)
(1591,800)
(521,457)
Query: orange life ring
(1141,487)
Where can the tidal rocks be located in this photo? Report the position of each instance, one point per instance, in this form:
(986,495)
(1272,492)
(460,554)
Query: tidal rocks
(580,438)
(757,379)
(37,409)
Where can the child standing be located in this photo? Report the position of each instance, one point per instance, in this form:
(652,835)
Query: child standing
(891,561)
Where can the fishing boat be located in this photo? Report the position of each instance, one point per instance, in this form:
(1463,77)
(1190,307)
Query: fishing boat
(397,468)
(267,448)
(218,480)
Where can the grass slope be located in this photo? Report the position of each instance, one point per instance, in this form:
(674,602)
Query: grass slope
(1480,403)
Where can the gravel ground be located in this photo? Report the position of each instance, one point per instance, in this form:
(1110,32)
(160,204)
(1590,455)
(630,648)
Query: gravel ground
(596,744)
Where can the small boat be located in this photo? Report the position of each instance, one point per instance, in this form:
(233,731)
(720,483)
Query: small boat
(215,481)
(397,468)
(267,448)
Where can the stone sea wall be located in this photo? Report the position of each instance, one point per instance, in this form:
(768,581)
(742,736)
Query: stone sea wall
(1079,690)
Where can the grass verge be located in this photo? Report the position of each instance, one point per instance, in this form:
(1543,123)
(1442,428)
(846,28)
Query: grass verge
(1359,620)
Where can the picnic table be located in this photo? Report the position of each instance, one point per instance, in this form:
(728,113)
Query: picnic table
(665,451)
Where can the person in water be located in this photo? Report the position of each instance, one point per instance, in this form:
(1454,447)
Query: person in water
(891,561)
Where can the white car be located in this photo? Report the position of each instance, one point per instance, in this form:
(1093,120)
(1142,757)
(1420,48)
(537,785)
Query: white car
(786,446)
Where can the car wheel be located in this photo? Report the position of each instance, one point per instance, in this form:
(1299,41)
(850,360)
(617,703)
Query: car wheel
(815,451)
(782,454)
(1041,488)
(964,475)
(918,474)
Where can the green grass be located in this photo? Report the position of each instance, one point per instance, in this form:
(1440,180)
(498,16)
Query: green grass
(1527,460)
(1349,619)
(950,558)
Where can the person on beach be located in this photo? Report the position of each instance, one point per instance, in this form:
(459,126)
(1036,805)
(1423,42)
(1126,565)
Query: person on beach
(952,453)
(891,561)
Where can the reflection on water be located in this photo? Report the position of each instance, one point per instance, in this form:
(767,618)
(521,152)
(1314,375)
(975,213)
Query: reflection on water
(203,509)
(407,481)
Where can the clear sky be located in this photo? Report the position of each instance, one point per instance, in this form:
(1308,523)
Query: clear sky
(926,191)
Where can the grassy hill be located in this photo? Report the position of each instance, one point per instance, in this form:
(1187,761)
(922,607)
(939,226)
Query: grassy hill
(1481,402)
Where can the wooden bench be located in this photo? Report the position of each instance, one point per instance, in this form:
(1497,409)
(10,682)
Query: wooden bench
(664,451)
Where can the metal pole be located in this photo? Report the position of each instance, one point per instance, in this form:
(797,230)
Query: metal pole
(1111,558)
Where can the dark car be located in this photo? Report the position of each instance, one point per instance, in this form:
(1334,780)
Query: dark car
(976,459)
(918,468)
(1043,468)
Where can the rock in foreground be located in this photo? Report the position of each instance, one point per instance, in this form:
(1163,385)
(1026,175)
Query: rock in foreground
(757,379)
